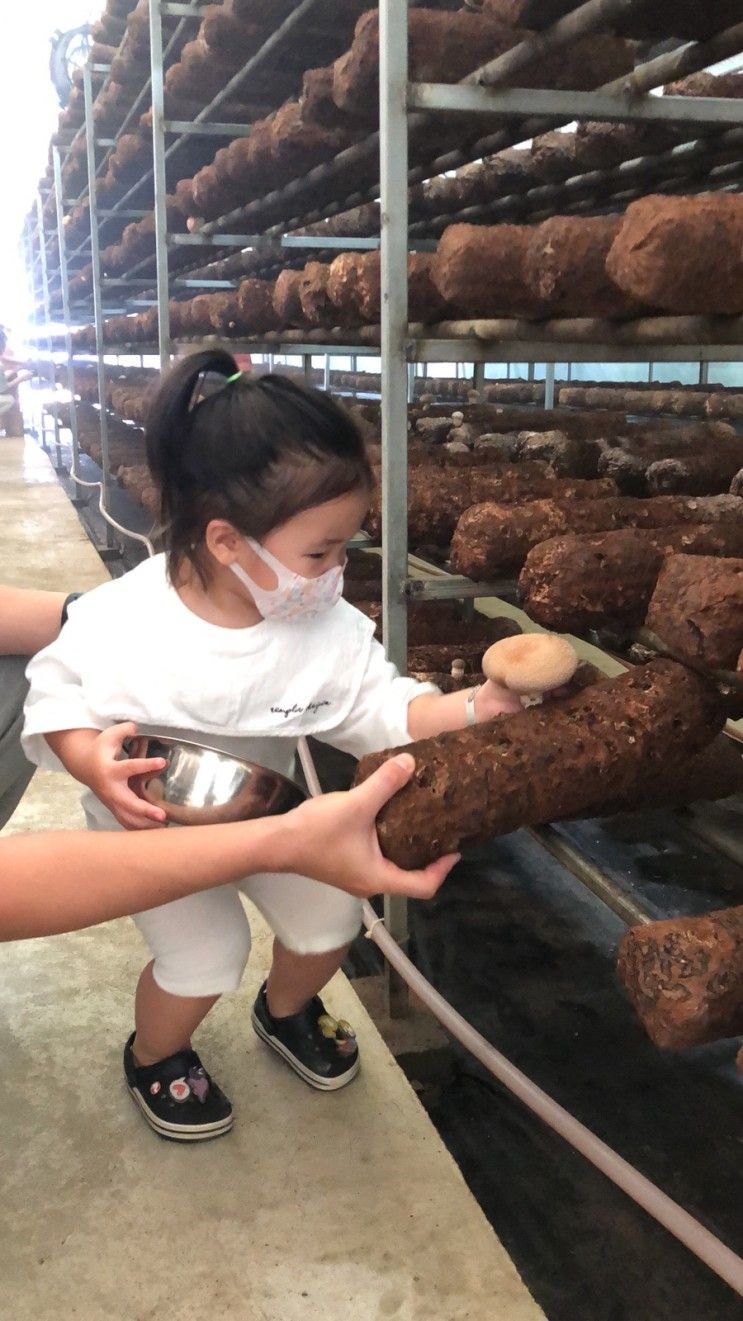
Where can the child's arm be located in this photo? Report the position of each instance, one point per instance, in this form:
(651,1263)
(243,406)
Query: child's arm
(391,710)
(434,713)
(94,758)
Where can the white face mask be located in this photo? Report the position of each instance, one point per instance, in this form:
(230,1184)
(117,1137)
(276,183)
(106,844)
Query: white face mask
(293,597)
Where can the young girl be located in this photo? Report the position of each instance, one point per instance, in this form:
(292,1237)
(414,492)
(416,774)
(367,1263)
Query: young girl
(237,637)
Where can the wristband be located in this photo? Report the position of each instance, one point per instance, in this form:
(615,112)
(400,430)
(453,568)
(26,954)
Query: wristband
(469,705)
(74,596)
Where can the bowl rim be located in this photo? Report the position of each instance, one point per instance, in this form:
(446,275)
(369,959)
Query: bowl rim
(239,761)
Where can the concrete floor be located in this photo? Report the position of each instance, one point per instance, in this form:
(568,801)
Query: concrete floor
(314,1206)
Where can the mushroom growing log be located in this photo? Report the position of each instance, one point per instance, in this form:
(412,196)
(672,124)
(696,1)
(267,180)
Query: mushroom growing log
(684,977)
(697,609)
(495,538)
(574,583)
(550,761)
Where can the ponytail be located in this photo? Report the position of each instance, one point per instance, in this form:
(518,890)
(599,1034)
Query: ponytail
(170,419)
(253,450)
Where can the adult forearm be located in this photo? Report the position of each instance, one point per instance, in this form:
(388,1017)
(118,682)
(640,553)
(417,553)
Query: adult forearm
(28,620)
(61,881)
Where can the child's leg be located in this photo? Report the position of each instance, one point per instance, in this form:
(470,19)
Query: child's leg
(164,1023)
(200,946)
(295,978)
(314,925)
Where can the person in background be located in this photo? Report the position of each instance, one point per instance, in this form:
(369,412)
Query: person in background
(12,373)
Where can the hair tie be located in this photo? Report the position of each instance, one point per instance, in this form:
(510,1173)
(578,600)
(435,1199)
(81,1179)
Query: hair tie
(231,379)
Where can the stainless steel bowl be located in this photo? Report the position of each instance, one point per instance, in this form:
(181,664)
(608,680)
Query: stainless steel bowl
(199,786)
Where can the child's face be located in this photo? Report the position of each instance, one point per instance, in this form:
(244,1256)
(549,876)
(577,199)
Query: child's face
(311,542)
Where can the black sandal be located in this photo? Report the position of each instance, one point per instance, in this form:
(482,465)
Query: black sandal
(321,1049)
(177,1097)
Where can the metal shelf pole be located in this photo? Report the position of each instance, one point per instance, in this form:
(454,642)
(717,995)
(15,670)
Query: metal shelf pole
(95,258)
(38,417)
(158,168)
(393,80)
(78,499)
(59,466)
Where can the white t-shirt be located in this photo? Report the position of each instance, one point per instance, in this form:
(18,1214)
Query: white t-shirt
(131,650)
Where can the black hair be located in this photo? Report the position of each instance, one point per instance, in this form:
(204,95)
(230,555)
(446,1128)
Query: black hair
(254,450)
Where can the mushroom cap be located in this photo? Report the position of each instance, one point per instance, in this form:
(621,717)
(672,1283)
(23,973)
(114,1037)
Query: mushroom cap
(530,662)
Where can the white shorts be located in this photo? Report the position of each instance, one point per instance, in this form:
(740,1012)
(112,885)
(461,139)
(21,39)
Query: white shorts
(200,944)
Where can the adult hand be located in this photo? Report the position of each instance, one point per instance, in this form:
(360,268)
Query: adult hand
(335,839)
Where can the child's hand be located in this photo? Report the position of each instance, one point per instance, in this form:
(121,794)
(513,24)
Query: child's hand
(108,775)
(494,699)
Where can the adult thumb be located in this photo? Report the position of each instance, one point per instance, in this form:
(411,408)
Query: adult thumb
(392,776)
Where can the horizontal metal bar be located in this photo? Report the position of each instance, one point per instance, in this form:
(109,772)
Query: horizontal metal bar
(590,875)
(100,68)
(469,99)
(172,9)
(105,142)
(282,346)
(214,240)
(535,350)
(277,347)
(134,214)
(125,282)
(453,588)
(318,241)
(314,241)
(185,283)
(190,130)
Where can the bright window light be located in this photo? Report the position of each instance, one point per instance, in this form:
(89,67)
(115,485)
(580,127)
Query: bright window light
(29,109)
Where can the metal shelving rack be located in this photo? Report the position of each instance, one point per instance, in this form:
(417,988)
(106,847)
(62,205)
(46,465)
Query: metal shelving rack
(517,114)
(399,101)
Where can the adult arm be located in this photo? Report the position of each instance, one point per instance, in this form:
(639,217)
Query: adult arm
(62,881)
(28,620)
